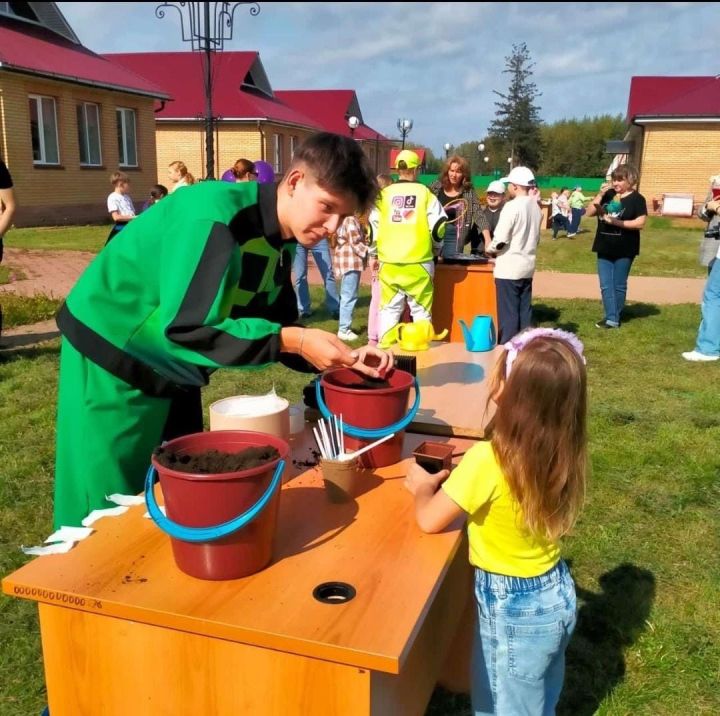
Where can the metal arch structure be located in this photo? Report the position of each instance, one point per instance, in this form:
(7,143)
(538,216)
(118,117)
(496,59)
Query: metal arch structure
(208,23)
(207,26)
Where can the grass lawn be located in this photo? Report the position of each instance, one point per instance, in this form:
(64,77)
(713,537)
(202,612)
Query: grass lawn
(669,246)
(59,238)
(644,555)
(22,311)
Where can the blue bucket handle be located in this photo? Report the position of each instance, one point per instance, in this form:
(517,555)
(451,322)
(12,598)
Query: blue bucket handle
(371,433)
(211,533)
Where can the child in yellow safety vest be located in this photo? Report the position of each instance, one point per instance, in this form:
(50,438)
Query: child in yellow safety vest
(407,228)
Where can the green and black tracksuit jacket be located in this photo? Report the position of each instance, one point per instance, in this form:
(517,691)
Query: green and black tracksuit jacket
(198,282)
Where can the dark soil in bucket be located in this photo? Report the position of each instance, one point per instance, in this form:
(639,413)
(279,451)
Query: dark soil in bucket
(213,462)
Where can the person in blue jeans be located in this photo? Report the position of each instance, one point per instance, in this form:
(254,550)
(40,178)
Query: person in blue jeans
(621,211)
(521,491)
(707,344)
(321,255)
(349,255)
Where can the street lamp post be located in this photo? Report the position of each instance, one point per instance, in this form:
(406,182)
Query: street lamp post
(404,126)
(353,123)
(481,149)
(447,147)
(206,26)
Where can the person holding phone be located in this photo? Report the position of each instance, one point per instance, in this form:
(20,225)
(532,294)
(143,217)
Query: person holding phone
(621,212)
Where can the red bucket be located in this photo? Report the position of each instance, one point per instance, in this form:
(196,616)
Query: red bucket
(194,500)
(352,396)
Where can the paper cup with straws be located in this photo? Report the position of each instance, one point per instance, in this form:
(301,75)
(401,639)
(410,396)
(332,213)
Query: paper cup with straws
(341,478)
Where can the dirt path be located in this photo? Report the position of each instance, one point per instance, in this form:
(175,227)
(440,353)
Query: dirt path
(55,272)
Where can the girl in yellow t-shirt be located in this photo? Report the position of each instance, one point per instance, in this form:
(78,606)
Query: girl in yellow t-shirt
(521,491)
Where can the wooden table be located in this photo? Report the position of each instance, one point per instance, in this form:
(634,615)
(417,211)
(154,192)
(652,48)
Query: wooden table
(462,291)
(125,632)
(453,390)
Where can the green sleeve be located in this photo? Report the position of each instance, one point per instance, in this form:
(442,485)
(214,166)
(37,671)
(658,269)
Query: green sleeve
(195,300)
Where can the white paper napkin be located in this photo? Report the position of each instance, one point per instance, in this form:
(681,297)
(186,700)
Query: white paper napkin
(95,515)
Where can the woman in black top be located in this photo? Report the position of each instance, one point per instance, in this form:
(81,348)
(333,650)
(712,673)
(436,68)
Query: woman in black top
(7,209)
(621,213)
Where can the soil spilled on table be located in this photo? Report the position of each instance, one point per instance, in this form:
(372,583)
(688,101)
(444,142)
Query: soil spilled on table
(213,462)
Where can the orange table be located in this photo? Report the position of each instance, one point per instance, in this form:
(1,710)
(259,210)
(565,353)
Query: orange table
(462,291)
(125,632)
(453,390)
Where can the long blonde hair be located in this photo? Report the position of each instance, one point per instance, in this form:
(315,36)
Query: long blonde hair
(184,173)
(539,434)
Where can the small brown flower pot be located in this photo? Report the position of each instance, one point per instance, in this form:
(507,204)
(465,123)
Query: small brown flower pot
(434,457)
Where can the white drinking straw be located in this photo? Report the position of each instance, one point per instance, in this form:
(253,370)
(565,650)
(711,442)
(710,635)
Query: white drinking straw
(337,434)
(319,443)
(328,445)
(357,453)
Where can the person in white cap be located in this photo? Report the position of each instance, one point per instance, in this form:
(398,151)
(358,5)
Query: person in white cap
(494,202)
(407,226)
(514,244)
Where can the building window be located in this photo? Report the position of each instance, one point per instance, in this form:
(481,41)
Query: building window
(127,141)
(43,130)
(293,146)
(278,153)
(88,124)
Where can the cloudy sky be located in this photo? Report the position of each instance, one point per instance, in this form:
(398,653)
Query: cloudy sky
(438,63)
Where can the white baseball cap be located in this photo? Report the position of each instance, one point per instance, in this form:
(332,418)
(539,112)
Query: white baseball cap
(496,187)
(521,176)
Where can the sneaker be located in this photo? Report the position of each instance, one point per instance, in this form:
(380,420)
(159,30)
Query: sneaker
(604,324)
(571,236)
(305,314)
(347,335)
(697,357)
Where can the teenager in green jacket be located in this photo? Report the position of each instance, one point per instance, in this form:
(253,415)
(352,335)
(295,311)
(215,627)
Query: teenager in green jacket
(200,282)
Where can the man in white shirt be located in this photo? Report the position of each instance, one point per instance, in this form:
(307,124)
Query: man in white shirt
(514,244)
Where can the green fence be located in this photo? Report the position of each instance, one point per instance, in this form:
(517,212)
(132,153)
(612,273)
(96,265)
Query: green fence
(545,184)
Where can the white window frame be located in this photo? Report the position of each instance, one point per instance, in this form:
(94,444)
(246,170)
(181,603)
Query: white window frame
(121,114)
(38,98)
(277,153)
(293,146)
(84,134)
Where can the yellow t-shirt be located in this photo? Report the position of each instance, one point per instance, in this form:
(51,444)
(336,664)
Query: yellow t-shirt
(499,541)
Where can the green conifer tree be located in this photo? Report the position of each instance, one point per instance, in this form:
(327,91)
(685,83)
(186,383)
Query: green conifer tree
(517,118)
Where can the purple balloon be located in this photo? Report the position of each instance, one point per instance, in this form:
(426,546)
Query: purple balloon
(265,172)
(229,175)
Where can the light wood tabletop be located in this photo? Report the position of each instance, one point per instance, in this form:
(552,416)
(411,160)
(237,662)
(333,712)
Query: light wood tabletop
(126,570)
(453,390)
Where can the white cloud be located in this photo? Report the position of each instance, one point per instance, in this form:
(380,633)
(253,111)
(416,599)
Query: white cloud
(439,62)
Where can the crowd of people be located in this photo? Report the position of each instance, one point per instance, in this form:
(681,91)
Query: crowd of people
(138,344)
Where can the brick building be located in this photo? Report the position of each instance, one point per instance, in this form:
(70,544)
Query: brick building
(253,121)
(68,119)
(674,135)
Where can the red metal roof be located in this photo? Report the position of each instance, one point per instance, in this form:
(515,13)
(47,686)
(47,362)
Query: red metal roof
(674,97)
(181,75)
(36,50)
(330,109)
